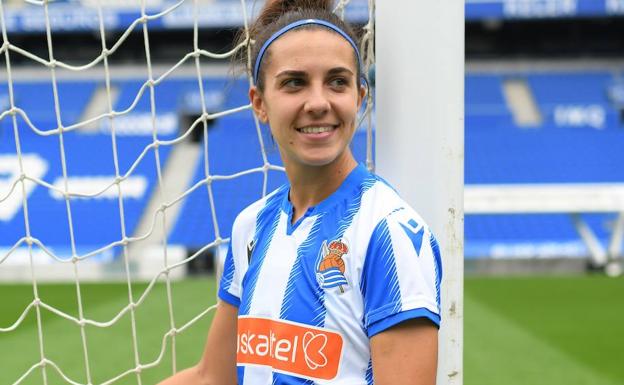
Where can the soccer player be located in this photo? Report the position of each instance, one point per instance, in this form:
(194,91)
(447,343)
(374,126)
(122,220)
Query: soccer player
(332,278)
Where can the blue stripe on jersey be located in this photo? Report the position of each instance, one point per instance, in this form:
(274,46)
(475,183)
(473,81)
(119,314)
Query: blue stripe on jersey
(386,323)
(266,223)
(296,307)
(354,206)
(435,248)
(369,373)
(303,279)
(226,279)
(382,295)
(240,374)
(285,379)
(229,298)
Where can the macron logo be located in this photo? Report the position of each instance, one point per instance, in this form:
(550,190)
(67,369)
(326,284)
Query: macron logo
(289,347)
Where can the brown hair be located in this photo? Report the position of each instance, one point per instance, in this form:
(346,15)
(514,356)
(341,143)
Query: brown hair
(277,14)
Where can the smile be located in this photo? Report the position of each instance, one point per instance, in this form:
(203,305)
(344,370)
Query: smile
(316,129)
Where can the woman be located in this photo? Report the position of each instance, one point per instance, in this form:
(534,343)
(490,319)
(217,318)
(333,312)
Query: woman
(331,278)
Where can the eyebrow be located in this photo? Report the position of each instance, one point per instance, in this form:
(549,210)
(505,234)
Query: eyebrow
(339,70)
(294,73)
(291,73)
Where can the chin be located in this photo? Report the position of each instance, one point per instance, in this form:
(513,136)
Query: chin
(319,160)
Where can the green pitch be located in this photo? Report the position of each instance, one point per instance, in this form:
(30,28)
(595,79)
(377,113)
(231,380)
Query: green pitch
(551,330)
(110,349)
(517,331)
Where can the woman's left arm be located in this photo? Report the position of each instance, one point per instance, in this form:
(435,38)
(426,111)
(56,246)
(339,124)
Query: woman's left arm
(406,354)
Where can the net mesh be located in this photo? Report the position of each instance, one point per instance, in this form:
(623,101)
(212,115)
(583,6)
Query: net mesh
(159,218)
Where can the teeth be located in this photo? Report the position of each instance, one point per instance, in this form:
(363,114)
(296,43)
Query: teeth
(315,130)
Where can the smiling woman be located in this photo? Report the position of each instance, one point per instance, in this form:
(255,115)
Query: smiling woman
(332,278)
(310,100)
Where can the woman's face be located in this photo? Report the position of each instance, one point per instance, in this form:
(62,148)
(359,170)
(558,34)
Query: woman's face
(311,96)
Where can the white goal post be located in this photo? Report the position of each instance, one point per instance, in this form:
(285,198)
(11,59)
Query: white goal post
(420,137)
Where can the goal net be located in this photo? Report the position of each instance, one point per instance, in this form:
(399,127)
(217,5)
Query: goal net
(117,200)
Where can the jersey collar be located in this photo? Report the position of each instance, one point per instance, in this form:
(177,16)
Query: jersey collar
(348,188)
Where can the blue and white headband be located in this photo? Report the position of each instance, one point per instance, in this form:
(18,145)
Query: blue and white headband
(294,25)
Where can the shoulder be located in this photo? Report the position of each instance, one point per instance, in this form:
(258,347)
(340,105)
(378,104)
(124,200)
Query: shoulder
(246,220)
(384,213)
(382,202)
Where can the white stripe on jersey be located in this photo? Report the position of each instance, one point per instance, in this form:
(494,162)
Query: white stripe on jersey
(275,272)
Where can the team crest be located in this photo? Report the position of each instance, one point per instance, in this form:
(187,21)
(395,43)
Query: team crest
(330,267)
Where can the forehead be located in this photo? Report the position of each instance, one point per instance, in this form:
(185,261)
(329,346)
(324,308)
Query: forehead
(311,48)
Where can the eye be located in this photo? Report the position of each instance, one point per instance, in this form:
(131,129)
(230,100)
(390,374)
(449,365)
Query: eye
(292,83)
(339,82)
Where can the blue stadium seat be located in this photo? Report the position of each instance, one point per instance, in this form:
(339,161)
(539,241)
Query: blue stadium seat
(550,153)
(36,98)
(575,100)
(96,222)
(485,106)
(497,152)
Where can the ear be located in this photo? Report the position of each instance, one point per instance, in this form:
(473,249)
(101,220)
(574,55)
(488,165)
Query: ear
(361,95)
(257,103)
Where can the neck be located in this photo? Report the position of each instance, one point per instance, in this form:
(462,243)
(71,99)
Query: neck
(310,185)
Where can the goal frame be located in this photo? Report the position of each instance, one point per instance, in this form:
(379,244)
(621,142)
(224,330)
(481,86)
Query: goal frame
(420,138)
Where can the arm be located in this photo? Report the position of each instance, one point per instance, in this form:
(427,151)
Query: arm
(218,363)
(406,354)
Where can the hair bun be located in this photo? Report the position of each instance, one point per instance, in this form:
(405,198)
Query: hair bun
(273,9)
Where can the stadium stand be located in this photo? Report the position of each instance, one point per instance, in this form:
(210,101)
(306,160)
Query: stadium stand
(575,100)
(96,221)
(578,141)
(90,168)
(497,152)
(485,106)
(36,98)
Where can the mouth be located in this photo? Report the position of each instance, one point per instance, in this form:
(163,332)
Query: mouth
(319,129)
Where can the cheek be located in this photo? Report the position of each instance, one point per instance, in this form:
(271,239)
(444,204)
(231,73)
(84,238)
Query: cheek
(349,111)
(348,103)
(280,110)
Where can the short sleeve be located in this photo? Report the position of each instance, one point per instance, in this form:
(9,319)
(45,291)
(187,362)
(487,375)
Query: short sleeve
(229,290)
(401,274)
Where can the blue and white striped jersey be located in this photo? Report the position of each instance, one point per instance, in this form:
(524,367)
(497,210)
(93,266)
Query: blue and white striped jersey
(312,293)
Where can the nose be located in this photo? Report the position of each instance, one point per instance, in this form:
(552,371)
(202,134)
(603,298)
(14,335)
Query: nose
(317,103)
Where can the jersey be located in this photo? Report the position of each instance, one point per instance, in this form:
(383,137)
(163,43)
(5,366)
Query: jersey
(311,294)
